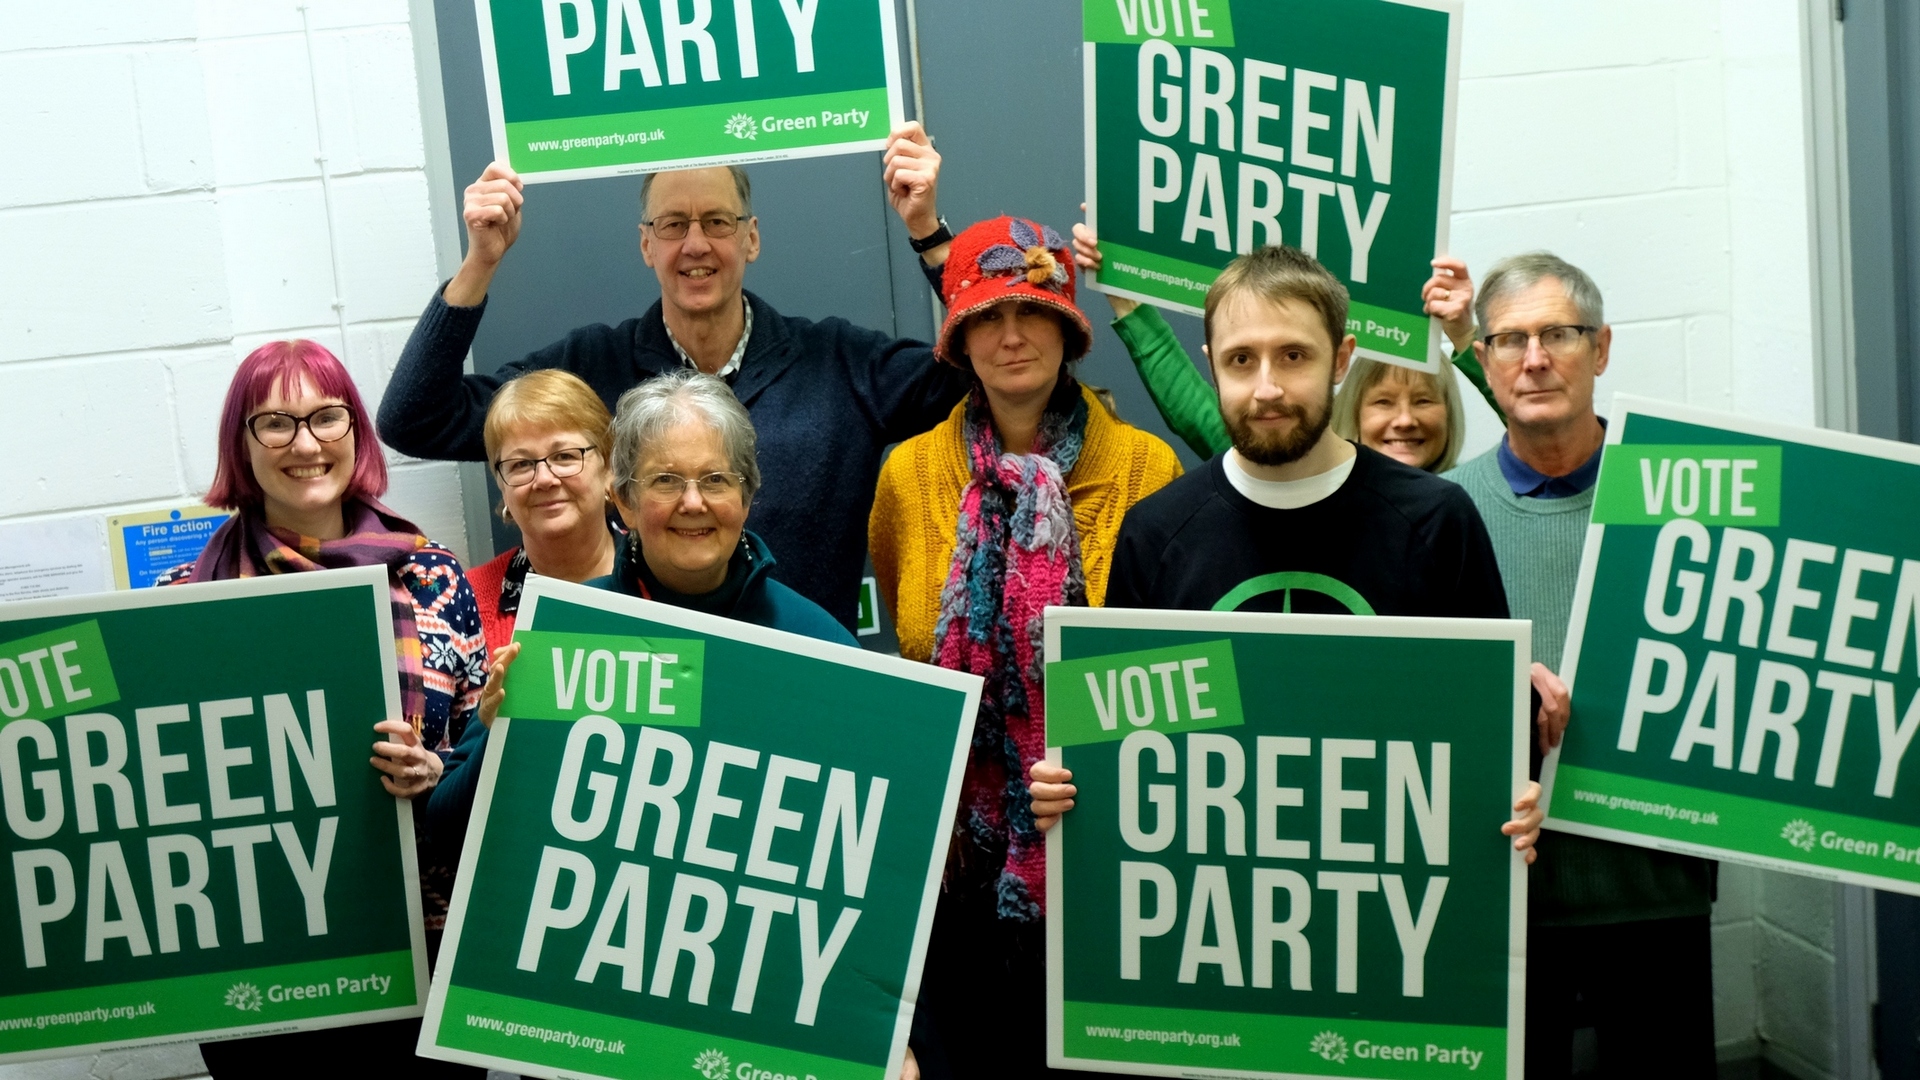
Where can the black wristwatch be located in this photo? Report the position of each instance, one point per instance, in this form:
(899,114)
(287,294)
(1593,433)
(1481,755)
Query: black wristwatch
(941,235)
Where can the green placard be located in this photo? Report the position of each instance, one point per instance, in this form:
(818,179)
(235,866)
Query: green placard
(1744,647)
(1316,886)
(638,897)
(194,846)
(585,88)
(1215,128)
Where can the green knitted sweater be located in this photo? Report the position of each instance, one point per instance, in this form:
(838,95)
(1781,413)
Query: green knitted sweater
(1577,881)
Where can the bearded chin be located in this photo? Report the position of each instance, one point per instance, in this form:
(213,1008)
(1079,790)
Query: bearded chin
(1281,448)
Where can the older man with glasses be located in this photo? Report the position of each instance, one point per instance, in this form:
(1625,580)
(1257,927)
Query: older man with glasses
(826,397)
(1618,936)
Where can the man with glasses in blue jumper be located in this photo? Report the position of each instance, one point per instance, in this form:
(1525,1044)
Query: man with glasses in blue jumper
(826,397)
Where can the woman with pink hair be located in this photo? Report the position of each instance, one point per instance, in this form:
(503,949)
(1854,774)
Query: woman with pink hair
(303,472)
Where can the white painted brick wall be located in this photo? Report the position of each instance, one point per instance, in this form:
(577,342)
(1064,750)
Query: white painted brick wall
(1656,144)
(162,214)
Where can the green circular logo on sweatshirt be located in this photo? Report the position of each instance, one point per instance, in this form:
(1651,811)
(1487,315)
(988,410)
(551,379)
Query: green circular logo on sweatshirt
(1290,582)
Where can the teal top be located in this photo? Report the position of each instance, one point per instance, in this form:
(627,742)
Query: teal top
(1577,881)
(1185,399)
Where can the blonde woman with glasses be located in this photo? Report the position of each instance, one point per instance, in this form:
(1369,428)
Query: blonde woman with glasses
(548,439)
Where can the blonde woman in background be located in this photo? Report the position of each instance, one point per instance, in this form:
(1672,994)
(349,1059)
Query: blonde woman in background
(1408,415)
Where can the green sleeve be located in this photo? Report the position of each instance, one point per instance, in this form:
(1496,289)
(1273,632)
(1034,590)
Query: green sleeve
(1185,400)
(1469,366)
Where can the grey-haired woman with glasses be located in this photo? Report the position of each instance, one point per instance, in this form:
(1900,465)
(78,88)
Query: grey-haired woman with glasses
(684,478)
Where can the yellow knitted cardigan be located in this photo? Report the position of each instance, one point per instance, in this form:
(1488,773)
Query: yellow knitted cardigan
(916,511)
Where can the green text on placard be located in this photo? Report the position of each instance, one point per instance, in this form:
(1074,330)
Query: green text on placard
(627,679)
(1124,22)
(1106,698)
(1714,485)
(55,673)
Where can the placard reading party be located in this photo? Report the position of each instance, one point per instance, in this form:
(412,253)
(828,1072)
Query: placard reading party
(1323,124)
(1285,856)
(699,848)
(1745,648)
(584,88)
(195,846)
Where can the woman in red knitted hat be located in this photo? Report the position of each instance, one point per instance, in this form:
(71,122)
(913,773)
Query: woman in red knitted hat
(1010,506)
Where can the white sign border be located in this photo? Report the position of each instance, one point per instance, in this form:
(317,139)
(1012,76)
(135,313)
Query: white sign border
(1517,631)
(372,578)
(537,587)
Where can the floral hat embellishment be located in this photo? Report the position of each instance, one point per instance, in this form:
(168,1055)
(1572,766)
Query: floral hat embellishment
(1032,261)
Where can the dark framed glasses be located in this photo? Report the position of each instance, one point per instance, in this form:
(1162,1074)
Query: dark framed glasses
(519,472)
(274,430)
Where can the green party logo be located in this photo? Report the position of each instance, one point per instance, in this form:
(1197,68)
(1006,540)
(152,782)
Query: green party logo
(1800,833)
(713,1065)
(742,126)
(244,996)
(1330,1045)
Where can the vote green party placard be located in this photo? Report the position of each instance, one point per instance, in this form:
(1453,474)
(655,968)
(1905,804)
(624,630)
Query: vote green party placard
(1743,648)
(1285,856)
(700,848)
(1216,128)
(584,88)
(195,846)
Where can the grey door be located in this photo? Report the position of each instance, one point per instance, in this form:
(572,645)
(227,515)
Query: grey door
(1882,42)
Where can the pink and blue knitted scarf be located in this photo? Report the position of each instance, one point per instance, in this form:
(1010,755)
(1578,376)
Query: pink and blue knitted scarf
(1016,554)
(246,546)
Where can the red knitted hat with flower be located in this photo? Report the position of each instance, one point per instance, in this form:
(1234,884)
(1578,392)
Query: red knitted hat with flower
(1009,258)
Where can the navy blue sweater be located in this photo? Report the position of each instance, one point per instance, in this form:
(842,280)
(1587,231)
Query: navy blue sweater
(827,398)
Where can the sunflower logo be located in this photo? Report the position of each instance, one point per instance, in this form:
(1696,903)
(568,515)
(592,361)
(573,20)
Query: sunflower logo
(244,996)
(1800,833)
(742,126)
(1330,1045)
(713,1065)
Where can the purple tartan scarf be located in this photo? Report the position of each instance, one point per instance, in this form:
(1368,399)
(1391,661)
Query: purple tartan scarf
(246,546)
(1015,554)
